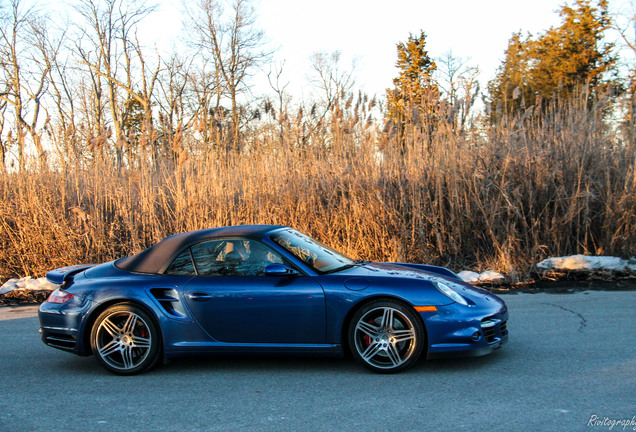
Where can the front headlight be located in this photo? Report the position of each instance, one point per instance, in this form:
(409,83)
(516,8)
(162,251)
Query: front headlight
(450,293)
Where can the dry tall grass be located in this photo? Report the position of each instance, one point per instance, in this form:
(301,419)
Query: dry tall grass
(550,183)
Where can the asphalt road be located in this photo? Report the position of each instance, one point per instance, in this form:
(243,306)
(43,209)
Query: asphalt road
(570,365)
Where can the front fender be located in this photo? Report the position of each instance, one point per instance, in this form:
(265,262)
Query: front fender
(442,271)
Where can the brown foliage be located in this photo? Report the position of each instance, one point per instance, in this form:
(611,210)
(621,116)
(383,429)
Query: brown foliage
(547,183)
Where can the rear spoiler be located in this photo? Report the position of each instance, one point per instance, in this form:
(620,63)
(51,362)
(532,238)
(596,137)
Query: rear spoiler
(432,269)
(61,275)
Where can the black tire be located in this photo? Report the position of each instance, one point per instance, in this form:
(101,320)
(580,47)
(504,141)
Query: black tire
(386,336)
(126,340)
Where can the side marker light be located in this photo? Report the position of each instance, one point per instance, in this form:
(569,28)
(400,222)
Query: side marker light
(425,308)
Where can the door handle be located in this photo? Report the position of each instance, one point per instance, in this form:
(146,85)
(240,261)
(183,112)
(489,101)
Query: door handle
(197,296)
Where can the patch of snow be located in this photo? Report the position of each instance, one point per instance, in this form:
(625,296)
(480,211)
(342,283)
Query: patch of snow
(468,276)
(588,263)
(487,276)
(27,283)
(490,276)
(573,262)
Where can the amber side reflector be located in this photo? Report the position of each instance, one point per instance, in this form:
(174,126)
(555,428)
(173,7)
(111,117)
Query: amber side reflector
(425,308)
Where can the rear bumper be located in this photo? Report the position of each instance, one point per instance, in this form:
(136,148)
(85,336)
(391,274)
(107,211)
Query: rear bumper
(60,327)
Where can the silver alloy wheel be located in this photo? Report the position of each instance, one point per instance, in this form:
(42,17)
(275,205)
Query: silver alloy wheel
(385,338)
(123,340)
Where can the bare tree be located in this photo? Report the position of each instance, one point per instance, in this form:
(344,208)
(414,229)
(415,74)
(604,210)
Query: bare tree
(449,67)
(207,111)
(624,22)
(274,78)
(143,96)
(4,147)
(330,77)
(25,74)
(336,84)
(460,85)
(173,103)
(109,36)
(233,43)
(62,93)
(4,93)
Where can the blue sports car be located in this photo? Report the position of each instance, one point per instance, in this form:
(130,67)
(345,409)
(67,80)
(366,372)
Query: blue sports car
(265,289)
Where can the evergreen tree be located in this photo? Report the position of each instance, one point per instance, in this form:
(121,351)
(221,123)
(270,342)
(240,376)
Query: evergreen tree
(564,60)
(573,54)
(512,85)
(415,98)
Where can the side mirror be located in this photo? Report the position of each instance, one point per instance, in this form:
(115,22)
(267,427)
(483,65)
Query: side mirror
(279,270)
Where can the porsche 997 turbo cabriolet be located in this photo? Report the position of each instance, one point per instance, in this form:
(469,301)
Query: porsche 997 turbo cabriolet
(265,289)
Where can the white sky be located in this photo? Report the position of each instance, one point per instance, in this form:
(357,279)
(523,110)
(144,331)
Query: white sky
(369,30)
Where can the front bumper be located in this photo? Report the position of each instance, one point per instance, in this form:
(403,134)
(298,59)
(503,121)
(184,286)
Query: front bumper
(459,331)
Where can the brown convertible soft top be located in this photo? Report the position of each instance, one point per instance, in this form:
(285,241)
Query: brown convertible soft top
(156,258)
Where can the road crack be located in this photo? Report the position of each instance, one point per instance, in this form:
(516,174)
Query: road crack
(582,320)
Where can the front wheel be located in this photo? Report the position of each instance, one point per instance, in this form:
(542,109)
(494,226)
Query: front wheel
(125,340)
(386,336)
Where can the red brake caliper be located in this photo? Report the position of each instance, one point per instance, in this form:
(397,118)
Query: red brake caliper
(367,338)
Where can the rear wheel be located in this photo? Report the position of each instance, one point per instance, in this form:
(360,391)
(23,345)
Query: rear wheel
(386,336)
(125,340)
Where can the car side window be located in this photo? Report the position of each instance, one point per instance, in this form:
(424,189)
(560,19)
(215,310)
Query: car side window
(182,265)
(230,257)
(210,257)
(256,258)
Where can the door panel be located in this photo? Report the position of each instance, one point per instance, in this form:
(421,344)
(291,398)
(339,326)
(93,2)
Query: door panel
(245,309)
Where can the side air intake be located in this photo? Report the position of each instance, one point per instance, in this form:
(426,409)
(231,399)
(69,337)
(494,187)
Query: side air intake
(169,300)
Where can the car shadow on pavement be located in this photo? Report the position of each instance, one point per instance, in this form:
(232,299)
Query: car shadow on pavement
(65,363)
(247,364)
(88,366)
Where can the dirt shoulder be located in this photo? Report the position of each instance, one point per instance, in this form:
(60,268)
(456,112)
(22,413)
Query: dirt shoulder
(24,297)
(563,286)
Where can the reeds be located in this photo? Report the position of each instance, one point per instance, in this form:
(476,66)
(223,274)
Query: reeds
(551,182)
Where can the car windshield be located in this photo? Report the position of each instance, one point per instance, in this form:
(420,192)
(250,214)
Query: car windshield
(313,253)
